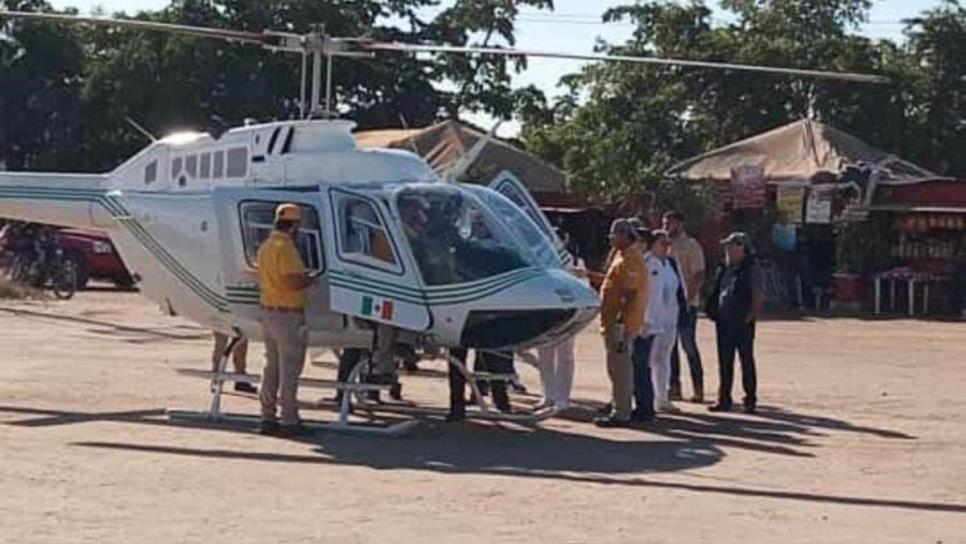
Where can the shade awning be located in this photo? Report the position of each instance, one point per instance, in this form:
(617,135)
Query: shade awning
(797,152)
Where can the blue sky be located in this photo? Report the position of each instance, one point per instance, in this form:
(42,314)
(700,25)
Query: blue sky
(572,27)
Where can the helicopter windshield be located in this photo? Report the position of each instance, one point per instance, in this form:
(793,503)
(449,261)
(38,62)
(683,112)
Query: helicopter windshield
(521,222)
(455,238)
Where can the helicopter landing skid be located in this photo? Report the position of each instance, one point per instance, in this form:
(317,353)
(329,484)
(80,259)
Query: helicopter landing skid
(343,424)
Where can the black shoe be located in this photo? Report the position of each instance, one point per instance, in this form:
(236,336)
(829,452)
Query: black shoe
(268,428)
(642,417)
(674,392)
(245,387)
(504,408)
(395,392)
(292,431)
(381,379)
(750,408)
(605,409)
(720,407)
(455,417)
(611,421)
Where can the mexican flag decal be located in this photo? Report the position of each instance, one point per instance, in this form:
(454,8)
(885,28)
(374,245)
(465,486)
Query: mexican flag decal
(380,307)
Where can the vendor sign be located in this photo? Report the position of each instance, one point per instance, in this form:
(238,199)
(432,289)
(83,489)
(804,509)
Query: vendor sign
(818,208)
(748,187)
(789,201)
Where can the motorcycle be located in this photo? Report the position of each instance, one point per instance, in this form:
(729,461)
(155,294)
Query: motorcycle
(48,263)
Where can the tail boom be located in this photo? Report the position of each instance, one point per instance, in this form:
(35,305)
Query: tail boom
(69,200)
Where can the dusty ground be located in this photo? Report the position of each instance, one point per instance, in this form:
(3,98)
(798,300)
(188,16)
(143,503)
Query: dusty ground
(860,439)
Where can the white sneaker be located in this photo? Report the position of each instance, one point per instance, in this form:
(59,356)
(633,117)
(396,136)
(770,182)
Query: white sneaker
(544,404)
(668,408)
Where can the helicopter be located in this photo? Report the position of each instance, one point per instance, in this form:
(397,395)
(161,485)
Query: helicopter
(188,212)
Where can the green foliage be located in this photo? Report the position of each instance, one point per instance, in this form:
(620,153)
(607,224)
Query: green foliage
(617,128)
(67,90)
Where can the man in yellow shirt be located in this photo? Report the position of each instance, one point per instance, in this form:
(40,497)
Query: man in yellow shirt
(623,300)
(283,279)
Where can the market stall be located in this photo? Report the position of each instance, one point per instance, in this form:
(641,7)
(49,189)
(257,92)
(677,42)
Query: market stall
(832,215)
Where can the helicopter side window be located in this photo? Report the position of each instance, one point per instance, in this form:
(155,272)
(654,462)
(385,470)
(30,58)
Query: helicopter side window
(151,173)
(218,165)
(362,234)
(237,162)
(191,166)
(257,222)
(176,165)
(508,190)
(205,166)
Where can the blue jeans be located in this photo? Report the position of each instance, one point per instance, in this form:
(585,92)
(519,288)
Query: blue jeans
(643,390)
(689,343)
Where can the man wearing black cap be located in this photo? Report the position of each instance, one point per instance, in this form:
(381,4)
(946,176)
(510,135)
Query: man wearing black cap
(733,305)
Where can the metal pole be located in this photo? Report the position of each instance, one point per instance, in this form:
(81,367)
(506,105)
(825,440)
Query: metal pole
(328,87)
(316,80)
(305,74)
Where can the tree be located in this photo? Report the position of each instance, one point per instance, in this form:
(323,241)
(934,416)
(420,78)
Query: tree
(167,82)
(41,68)
(618,127)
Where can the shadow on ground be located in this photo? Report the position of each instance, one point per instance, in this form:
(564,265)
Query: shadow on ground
(513,451)
(143,334)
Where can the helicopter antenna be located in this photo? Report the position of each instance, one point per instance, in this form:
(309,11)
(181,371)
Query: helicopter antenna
(140,129)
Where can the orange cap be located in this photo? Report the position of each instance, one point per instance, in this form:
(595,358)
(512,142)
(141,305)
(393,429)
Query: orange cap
(288,212)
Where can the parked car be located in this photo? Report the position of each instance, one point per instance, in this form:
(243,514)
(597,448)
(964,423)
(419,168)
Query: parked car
(92,253)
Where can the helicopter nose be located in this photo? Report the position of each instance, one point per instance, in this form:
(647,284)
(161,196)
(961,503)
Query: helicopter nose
(539,311)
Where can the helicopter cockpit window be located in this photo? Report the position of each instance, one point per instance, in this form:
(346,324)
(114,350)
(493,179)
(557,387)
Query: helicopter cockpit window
(362,234)
(257,222)
(521,223)
(454,238)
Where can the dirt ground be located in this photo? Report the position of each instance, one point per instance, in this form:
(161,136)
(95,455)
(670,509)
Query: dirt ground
(859,439)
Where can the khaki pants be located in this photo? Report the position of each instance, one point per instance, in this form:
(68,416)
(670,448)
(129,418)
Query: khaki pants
(285,343)
(239,356)
(383,356)
(621,375)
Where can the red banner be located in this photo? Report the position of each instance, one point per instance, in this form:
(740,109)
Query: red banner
(748,187)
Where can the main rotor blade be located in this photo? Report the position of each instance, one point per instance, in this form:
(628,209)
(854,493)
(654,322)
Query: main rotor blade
(198,31)
(418,48)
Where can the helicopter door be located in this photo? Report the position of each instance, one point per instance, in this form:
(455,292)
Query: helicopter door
(245,219)
(509,186)
(370,277)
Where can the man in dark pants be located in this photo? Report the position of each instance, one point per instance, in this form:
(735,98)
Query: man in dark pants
(734,304)
(643,389)
(690,258)
(641,352)
(457,387)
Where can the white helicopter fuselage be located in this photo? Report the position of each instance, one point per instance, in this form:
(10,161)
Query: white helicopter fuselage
(187,214)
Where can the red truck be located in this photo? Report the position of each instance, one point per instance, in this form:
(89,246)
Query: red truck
(92,252)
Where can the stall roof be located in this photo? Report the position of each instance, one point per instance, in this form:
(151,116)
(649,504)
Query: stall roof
(797,152)
(441,144)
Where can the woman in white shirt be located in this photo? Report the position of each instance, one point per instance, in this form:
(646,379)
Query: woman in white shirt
(661,317)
